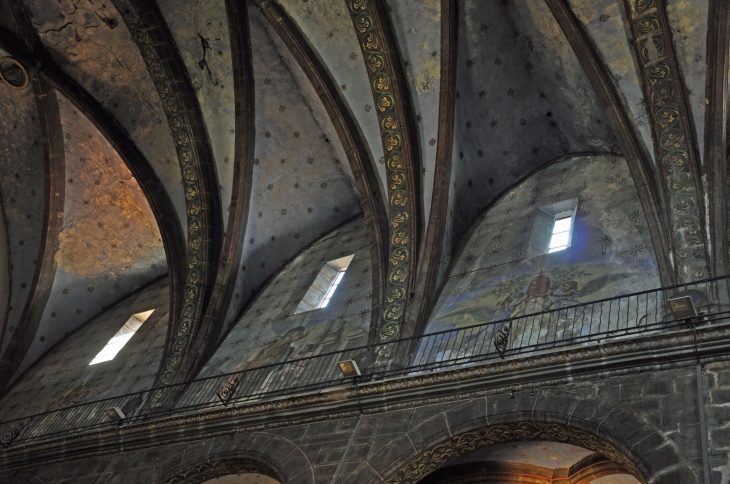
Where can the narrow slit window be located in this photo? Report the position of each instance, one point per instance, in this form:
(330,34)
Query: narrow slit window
(121,337)
(325,284)
(560,239)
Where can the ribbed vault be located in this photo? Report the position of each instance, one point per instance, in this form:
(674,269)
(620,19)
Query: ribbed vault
(216,140)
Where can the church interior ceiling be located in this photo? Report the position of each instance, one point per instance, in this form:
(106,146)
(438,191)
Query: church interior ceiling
(102,58)
(109,244)
(23,197)
(84,234)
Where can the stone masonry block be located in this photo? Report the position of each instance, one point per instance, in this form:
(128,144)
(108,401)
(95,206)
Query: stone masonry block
(469,415)
(399,450)
(430,432)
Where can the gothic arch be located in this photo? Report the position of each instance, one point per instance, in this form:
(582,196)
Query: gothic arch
(426,462)
(211,469)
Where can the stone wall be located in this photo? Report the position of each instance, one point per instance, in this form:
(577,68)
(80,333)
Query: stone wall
(651,417)
(63,377)
(717,404)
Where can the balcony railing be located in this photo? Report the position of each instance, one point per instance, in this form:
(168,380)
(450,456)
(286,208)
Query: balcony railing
(599,321)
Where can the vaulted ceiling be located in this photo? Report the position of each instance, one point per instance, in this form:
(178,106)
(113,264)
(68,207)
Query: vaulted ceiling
(213,140)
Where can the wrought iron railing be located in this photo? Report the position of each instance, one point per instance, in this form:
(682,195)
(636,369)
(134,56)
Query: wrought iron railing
(582,324)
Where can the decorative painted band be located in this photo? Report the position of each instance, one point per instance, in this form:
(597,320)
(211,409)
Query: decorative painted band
(190,170)
(400,259)
(675,145)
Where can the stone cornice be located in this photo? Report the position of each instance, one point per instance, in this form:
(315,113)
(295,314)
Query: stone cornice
(599,361)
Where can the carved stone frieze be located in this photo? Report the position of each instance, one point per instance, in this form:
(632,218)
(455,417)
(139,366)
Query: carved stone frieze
(428,461)
(400,159)
(675,145)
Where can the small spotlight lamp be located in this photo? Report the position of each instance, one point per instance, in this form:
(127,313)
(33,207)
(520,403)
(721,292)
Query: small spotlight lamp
(115,413)
(682,307)
(349,368)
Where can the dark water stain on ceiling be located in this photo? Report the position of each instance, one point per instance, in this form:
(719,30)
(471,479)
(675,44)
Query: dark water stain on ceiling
(200,29)
(101,56)
(110,244)
(302,183)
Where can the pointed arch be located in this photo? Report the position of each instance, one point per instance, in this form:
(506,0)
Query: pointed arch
(148,180)
(352,141)
(718,68)
(629,140)
(431,268)
(244,139)
(402,157)
(202,196)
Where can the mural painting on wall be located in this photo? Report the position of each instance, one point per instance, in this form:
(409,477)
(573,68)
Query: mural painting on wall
(270,332)
(500,275)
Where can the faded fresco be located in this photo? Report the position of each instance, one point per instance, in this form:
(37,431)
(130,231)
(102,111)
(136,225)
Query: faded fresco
(499,276)
(64,378)
(269,332)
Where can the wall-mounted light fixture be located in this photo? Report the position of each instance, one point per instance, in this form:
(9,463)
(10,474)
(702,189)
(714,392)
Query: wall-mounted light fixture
(349,368)
(682,307)
(115,413)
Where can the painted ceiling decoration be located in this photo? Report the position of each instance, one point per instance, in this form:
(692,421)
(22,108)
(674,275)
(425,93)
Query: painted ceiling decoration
(143,172)
(402,157)
(366,178)
(628,136)
(197,166)
(109,243)
(675,142)
(237,134)
(302,185)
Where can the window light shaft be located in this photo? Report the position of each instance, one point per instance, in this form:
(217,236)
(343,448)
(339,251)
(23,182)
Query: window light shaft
(121,337)
(561,234)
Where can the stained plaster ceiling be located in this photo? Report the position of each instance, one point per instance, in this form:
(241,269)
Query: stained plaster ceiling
(22,188)
(522,101)
(328,28)
(418,31)
(607,23)
(302,183)
(90,42)
(109,245)
(200,29)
